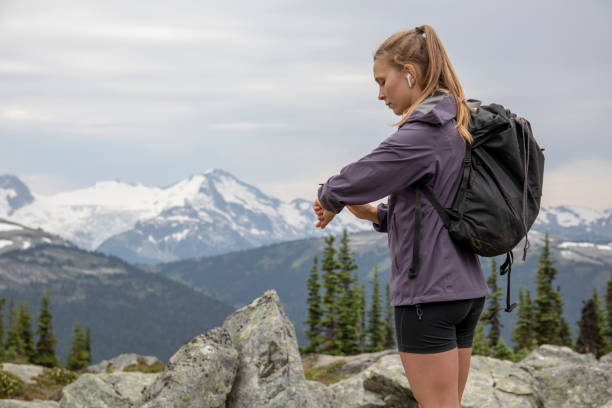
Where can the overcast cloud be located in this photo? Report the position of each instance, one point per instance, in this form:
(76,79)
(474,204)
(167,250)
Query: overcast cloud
(280,93)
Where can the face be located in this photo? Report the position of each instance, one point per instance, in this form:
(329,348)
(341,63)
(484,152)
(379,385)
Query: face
(393,85)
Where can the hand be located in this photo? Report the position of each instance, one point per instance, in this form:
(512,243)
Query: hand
(323,215)
(364,212)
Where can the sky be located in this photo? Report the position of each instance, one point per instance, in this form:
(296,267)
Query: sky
(281,93)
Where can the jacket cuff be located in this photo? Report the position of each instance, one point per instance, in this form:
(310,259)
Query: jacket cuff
(381,212)
(328,203)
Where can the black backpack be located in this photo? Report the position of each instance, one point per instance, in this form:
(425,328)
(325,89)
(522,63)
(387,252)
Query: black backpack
(501,187)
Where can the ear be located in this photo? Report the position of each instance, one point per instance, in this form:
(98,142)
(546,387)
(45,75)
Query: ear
(410,69)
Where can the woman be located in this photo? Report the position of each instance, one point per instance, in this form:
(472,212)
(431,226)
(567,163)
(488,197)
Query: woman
(436,309)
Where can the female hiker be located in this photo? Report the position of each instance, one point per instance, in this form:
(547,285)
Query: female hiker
(438,304)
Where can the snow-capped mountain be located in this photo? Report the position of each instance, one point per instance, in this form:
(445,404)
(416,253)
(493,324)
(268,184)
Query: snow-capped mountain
(206,214)
(211,213)
(576,223)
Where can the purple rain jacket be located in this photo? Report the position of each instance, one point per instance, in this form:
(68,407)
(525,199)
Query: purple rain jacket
(426,147)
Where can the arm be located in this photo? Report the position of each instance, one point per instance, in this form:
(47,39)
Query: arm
(400,160)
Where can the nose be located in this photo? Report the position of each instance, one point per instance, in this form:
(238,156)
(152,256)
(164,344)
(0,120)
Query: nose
(381,96)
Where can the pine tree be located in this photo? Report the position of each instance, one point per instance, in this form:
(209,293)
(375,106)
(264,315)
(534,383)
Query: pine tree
(480,345)
(608,317)
(590,336)
(547,318)
(491,315)
(88,344)
(376,330)
(329,319)
(523,334)
(362,320)
(389,321)
(45,346)
(2,343)
(348,315)
(313,333)
(14,344)
(25,331)
(502,351)
(77,356)
(565,333)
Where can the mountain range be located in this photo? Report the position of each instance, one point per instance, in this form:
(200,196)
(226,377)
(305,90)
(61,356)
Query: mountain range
(210,214)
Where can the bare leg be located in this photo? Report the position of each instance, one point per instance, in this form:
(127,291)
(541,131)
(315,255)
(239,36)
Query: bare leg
(465,354)
(433,378)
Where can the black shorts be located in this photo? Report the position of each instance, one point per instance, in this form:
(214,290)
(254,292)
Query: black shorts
(437,326)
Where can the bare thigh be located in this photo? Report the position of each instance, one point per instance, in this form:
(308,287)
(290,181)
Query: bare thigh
(433,378)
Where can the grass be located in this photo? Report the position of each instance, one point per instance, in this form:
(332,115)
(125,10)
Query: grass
(328,374)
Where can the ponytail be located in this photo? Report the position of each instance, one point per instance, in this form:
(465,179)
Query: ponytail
(422,46)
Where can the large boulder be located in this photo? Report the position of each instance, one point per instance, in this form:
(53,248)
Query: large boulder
(26,372)
(199,374)
(494,383)
(564,378)
(114,390)
(121,362)
(270,372)
(12,403)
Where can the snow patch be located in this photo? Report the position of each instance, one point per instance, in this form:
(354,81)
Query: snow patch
(9,227)
(26,244)
(569,244)
(5,242)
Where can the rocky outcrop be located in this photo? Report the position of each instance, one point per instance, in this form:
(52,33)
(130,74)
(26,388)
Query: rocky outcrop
(10,403)
(252,360)
(106,390)
(122,361)
(200,374)
(26,372)
(270,372)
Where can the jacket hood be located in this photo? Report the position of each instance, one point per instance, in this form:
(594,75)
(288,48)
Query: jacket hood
(436,110)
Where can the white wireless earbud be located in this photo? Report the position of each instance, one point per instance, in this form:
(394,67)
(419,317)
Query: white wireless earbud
(409,78)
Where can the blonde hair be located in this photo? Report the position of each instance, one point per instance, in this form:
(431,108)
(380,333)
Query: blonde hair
(422,47)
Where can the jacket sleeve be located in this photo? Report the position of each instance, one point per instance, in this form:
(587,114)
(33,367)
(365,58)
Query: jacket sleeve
(381,211)
(400,160)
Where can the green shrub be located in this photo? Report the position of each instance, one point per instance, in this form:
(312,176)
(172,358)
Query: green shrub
(10,385)
(62,375)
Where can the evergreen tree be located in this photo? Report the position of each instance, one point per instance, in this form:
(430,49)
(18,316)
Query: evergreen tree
(376,329)
(565,333)
(523,334)
(502,351)
(88,344)
(590,335)
(608,317)
(313,333)
(77,356)
(45,346)
(348,313)
(547,303)
(362,311)
(25,331)
(329,319)
(14,344)
(480,345)
(491,315)
(389,321)
(2,343)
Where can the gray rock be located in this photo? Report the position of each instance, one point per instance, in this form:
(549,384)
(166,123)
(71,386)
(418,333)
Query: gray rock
(270,372)
(564,378)
(120,362)
(548,355)
(199,375)
(498,384)
(352,364)
(27,372)
(382,384)
(11,403)
(106,390)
